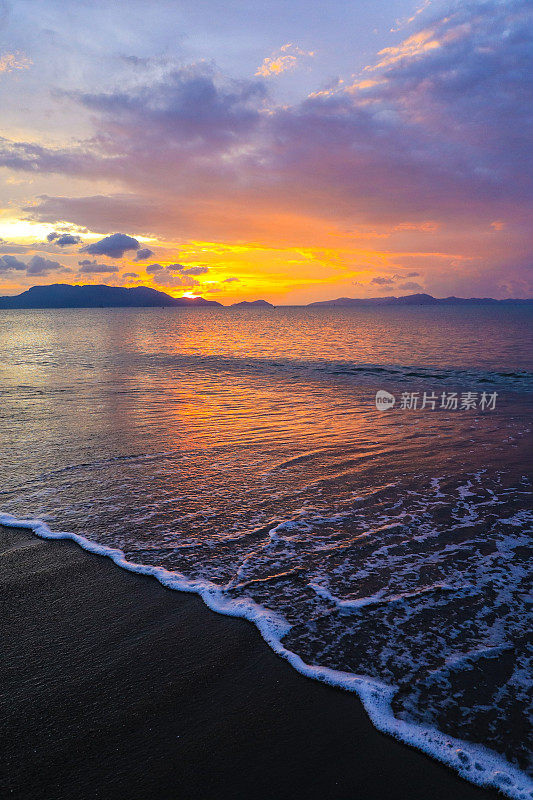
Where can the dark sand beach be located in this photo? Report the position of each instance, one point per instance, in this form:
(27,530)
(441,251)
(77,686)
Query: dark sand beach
(114,687)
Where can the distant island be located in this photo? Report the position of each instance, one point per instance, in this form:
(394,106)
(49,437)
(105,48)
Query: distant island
(252,304)
(408,300)
(64,295)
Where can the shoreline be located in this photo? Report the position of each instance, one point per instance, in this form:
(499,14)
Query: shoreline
(116,686)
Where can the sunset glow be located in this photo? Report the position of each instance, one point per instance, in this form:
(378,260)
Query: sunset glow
(324,165)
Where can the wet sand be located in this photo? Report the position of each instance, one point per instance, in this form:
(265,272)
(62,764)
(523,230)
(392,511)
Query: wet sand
(113,687)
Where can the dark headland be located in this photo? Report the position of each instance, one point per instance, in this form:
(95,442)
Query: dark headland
(114,687)
(64,295)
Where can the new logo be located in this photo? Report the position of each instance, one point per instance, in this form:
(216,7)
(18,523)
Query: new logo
(384,400)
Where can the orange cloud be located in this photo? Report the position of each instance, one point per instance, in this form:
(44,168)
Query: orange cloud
(415,45)
(285,59)
(13,61)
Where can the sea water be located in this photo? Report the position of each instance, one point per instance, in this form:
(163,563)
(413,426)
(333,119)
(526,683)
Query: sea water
(240,454)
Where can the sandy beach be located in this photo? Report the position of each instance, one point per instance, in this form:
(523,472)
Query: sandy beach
(115,687)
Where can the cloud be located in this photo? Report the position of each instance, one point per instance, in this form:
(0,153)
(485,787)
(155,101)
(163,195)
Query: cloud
(191,270)
(411,285)
(143,253)
(387,282)
(193,107)
(98,212)
(152,269)
(416,45)
(88,266)
(38,265)
(174,281)
(440,128)
(63,239)
(8,262)
(131,276)
(286,58)
(113,246)
(402,23)
(12,61)
(230,280)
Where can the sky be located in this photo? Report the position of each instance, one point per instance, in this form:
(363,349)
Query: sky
(291,150)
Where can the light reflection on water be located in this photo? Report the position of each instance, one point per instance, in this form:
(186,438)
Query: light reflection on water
(186,437)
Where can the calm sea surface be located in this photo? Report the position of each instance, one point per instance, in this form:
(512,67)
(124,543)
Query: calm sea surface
(243,452)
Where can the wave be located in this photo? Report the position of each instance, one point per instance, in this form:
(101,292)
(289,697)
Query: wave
(294,368)
(474,762)
(366,372)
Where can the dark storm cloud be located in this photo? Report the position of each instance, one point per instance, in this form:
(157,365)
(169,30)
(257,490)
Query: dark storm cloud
(113,246)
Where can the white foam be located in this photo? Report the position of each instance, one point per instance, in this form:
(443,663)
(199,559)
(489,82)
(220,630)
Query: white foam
(475,763)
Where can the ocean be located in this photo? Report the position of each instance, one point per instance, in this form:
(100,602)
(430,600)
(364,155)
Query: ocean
(239,454)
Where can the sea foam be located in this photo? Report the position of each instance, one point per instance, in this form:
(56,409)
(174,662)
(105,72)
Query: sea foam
(475,763)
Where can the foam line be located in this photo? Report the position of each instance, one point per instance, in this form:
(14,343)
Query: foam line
(475,763)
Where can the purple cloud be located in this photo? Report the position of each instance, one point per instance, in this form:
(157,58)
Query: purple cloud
(382,281)
(173,268)
(192,270)
(93,267)
(174,281)
(437,127)
(143,254)
(8,262)
(411,285)
(38,265)
(113,246)
(63,239)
